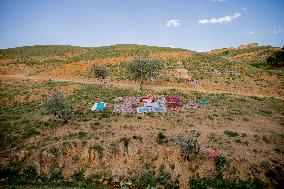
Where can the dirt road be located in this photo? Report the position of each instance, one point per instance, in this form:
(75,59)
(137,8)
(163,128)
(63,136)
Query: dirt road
(121,84)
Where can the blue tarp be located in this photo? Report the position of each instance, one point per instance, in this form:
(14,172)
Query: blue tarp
(98,106)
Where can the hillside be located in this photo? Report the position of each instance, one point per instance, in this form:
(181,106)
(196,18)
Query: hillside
(233,140)
(211,71)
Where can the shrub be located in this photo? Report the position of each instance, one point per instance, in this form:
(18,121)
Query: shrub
(99,71)
(148,178)
(220,162)
(58,105)
(276,59)
(218,181)
(125,141)
(30,133)
(56,175)
(231,133)
(161,138)
(190,147)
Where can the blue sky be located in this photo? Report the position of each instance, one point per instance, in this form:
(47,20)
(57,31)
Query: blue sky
(192,24)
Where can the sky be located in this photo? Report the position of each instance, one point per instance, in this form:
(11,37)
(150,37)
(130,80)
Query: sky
(199,25)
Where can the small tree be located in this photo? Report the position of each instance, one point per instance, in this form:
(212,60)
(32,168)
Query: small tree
(99,71)
(58,106)
(141,68)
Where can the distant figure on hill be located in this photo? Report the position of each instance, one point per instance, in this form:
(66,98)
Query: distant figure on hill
(105,82)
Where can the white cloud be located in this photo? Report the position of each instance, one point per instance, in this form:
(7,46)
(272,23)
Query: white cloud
(220,20)
(244,8)
(251,33)
(277,31)
(218,0)
(173,23)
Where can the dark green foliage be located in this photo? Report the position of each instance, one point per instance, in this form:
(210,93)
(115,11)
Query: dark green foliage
(148,178)
(220,162)
(276,59)
(161,138)
(58,105)
(265,112)
(231,133)
(30,133)
(219,182)
(56,175)
(79,175)
(15,173)
(142,66)
(276,176)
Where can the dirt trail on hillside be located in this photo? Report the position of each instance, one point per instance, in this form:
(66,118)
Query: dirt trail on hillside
(154,87)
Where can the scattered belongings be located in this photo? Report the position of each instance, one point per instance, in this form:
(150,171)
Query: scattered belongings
(98,106)
(120,108)
(149,98)
(143,109)
(173,102)
(159,109)
(152,104)
(118,99)
(146,100)
(194,105)
(131,100)
(213,154)
(161,100)
(203,102)
(218,72)
(193,81)
(233,74)
(152,75)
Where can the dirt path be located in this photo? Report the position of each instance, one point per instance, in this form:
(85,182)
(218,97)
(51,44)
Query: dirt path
(153,87)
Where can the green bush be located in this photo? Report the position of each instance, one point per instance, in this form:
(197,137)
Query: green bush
(99,71)
(218,181)
(58,105)
(148,178)
(30,133)
(276,59)
(161,138)
(231,133)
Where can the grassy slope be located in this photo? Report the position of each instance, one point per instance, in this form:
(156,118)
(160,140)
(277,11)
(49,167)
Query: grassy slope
(25,126)
(32,137)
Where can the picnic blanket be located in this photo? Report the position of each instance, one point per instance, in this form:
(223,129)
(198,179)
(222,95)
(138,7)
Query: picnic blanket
(149,98)
(98,106)
(159,109)
(173,102)
(161,101)
(203,102)
(152,104)
(120,108)
(146,100)
(143,109)
(131,100)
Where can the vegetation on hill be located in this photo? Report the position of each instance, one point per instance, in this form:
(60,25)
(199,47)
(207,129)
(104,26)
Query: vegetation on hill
(276,59)
(169,150)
